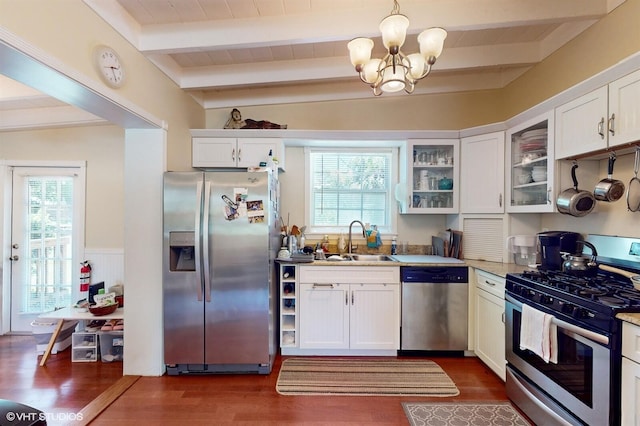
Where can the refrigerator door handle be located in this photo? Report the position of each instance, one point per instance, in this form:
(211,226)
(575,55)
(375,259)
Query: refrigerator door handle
(197,242)
(205,242)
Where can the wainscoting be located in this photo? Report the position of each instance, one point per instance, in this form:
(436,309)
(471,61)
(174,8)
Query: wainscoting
(106,265)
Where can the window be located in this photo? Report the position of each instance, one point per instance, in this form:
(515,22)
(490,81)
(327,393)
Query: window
(350,184)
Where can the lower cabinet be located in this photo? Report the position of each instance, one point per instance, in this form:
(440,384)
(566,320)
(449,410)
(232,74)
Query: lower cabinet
(489,322)
(630,374)
(336,313)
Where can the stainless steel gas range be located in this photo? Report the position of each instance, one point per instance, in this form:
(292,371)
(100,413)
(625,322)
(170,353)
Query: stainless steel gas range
(584,386)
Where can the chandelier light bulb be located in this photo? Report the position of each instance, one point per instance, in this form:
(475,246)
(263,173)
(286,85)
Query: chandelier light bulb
(360,51)
(416,65)
(431,42)
(394,31)
(393,80)
(371,70)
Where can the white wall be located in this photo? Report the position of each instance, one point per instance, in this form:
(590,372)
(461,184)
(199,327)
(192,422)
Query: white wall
(102,147)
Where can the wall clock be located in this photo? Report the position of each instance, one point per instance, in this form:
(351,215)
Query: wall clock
(109,66)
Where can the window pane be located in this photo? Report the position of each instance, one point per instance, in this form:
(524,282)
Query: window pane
(49,229)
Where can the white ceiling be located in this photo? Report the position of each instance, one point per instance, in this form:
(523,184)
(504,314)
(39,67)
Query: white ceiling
(255,52)
(233,53)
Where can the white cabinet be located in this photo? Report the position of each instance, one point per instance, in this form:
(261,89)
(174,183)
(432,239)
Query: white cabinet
(432,176)
(489,321)
(531,166)
(482,173)
(349,308)
(220,152)
(604,118)
(630,374)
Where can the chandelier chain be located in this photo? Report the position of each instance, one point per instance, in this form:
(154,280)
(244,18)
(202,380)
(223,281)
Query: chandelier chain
(396,8)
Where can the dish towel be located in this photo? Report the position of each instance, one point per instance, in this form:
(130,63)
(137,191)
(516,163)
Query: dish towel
(539,334)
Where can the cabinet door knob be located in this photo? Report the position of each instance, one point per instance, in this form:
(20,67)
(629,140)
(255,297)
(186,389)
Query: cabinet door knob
(14,257)
(233,154)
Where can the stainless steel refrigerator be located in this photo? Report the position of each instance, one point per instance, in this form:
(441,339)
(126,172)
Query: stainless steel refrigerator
(221,237)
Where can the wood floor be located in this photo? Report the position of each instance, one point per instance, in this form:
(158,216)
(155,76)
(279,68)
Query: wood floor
(63,387)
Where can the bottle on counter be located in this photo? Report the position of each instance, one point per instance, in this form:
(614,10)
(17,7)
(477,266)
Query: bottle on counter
(394,246)
(342,245)
(325,244)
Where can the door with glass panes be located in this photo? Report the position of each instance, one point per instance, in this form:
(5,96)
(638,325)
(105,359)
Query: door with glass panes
(47,222)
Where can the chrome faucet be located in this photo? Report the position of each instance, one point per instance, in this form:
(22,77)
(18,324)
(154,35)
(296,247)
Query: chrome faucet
(363,234)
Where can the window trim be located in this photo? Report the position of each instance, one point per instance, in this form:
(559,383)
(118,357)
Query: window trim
(387,232)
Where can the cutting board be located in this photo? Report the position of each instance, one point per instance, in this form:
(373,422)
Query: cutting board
(456,250)
(438,246)
(446,238)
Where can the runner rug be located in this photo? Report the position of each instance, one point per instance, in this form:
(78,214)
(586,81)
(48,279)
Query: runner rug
(485,414)
(376,377)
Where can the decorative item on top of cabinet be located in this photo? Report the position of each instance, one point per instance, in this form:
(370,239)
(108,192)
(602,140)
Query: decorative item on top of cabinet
(235,121)
(432,175)
(604,118)
(482,173)
(489,321)
(531,166)
(231,152)
(288,306)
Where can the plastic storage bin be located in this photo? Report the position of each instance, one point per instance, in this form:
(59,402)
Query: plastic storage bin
(111,346)
(42,330)
(85,347)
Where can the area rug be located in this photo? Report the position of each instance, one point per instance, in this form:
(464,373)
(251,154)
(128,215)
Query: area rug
(476,414)
(371,377)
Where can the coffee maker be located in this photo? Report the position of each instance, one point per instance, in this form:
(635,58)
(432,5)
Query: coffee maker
(552,244)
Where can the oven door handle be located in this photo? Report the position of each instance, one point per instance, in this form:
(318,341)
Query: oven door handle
(587,334)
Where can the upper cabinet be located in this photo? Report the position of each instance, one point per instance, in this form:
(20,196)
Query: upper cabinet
(530,166)
(432,176)
(604,118)
(220,152)
(482,173)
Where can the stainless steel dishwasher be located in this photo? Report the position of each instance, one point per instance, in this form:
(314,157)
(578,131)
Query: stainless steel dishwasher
(434,308)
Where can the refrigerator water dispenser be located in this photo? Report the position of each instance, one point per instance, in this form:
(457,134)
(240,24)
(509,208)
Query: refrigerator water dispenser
(182,251)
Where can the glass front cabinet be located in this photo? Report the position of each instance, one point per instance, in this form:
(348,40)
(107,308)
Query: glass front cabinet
(432,176)
(530,166)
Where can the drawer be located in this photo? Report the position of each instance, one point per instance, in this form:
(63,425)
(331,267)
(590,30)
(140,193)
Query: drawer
(490,283)
(350,274)
(631,341)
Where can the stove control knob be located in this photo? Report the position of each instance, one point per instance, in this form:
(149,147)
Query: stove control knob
(582,313)
(568,308)
(547,300)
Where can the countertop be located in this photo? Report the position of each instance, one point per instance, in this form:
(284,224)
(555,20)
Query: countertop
(629,317)
(71,313)
(497,268)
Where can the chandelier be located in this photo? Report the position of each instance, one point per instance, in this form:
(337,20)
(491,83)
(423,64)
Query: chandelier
(396,71)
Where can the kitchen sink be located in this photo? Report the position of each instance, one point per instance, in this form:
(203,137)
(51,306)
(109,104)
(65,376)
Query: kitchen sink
(370,258)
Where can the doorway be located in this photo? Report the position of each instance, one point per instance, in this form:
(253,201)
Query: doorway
(46,240)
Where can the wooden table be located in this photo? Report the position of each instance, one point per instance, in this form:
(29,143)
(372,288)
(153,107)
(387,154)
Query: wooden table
(72,313)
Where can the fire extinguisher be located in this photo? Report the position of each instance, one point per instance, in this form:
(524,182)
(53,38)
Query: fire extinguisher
(85,276)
